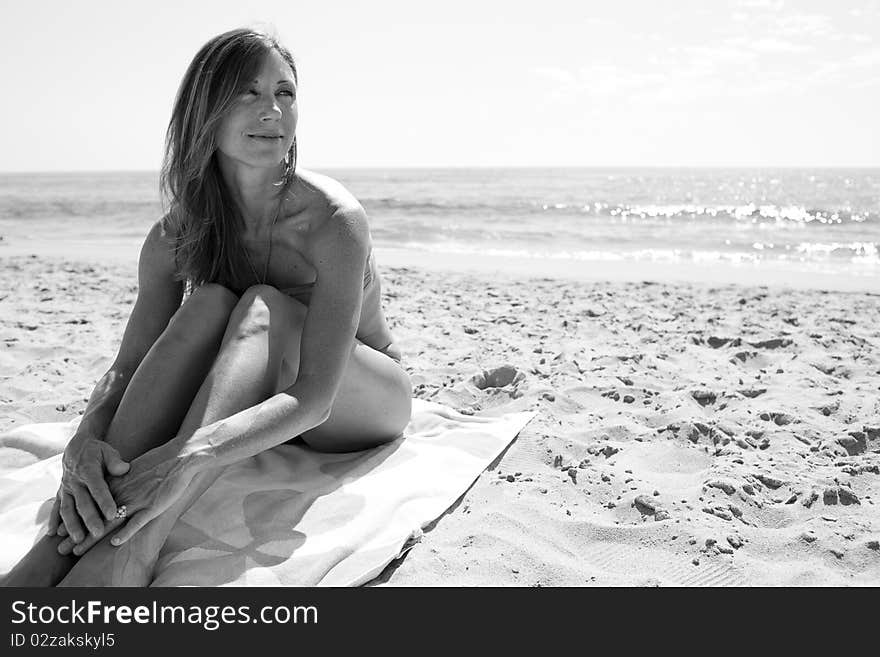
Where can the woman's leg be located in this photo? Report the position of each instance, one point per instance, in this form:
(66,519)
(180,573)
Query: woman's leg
(259,357)
(155,402)
(244,373)
(373,405)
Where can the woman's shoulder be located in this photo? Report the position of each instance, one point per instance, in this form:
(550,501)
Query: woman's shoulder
(324,194)
(157,251)
(327,201)
(165,227)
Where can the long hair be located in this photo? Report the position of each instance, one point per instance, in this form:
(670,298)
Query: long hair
(201,216)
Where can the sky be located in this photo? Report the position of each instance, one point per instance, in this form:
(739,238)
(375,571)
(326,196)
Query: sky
(758,83)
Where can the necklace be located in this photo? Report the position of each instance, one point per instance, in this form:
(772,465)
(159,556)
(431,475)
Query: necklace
(262,280)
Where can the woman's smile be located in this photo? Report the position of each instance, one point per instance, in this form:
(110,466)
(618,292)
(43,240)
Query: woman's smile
(266,138)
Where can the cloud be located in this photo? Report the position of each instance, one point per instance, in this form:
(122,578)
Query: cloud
(873,82)
(731,51)
(782,32)
(827,71)
(693,79)
(784,52)
(554,74)
(803,25)
(856,64)
(867,58)
(563,83)
(601,80)
(768,5)
(692,90)
(611,80)
(769,45)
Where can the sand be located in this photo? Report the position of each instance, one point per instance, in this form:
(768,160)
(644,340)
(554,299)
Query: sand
(687,433)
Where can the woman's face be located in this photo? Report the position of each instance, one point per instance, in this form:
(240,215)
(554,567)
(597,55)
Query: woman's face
(259,128)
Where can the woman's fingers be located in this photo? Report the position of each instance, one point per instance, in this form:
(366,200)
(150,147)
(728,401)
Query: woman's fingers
(66,546)
(135,523)
(87,510)
(100,492)
(80,549)
(72,523)
(113,461)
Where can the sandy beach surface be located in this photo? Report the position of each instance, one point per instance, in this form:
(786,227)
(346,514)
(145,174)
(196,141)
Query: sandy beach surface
(687,433)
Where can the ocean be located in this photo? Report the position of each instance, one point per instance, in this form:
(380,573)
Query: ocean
(787,220)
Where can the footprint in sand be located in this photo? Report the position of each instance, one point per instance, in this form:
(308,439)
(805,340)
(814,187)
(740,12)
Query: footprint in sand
(751,393)
(743,356)
(716,342)
(704,397)
(727,485)
(854,443)
(497,377)
(773,343)
(649,506)
(836,370)
(827,409)
(779,419)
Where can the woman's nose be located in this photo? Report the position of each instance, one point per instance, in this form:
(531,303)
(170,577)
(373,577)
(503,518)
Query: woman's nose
(270,110)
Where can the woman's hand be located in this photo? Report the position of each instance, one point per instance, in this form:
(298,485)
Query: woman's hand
(84,500)
(153,483)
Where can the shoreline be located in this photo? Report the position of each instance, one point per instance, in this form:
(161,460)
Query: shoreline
(597,271)
(770,275)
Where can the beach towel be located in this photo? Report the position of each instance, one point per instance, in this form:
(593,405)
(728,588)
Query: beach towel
(289,516)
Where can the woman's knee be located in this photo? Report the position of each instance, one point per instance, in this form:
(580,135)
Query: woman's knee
(396,417)
(261,307)
(204,314)
(265,295)
(210,301)
(373,407)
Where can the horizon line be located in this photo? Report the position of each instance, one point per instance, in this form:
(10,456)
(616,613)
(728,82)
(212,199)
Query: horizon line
(487,166)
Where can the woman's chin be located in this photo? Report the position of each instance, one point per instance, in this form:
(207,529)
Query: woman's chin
(270,162)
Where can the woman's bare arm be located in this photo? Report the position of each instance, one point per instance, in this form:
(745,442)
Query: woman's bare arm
(339,254)
(87,456)
(159,296)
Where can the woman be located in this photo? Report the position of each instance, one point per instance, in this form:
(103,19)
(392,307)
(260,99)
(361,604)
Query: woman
(280,335)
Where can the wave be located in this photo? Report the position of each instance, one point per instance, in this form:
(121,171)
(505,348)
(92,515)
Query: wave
(864,256)
(29,208)
(649,213)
